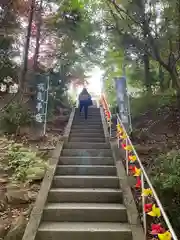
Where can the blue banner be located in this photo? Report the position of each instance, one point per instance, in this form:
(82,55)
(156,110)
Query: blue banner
(122,100)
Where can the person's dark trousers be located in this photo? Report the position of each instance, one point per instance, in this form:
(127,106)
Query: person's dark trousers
(80,107)
(86,110)
(85,106)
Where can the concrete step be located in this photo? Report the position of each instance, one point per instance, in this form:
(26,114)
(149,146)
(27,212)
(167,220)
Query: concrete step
(86,161)
(86,145)
(86,170)
(82,230)
(89,120)
(87,130)
(69,181)
(84,212)
(86,139)
(82,124)
(87,152)
(97,134)
(83,121)
(85,195)
(90,114)
(87,126)
(91,110)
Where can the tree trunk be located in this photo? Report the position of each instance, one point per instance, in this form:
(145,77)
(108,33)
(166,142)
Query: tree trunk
(38,35)
(175,79)
(26,49)
(161,78)
(147,73)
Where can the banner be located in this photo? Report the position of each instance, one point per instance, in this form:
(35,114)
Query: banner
(123,101)
(42,89)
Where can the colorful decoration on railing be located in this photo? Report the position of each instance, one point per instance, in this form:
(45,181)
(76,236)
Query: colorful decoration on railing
(106,111)
(150,208)
(165,236)
(147,192)
(157,229)
(155,212)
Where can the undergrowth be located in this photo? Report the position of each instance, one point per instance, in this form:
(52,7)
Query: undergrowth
(21,163)
(166,179)
(14,117)
(151,102)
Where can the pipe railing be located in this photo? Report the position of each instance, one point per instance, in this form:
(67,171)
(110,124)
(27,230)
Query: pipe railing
(107,113)
(151,204)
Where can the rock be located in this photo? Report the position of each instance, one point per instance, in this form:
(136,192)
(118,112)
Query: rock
(4,225)
(3,199)
(17,195)
(3,180)
(32,195)
(27,212)
(17,229)
(35,187)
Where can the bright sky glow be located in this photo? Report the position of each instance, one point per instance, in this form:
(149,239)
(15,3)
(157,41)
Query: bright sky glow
(95,81)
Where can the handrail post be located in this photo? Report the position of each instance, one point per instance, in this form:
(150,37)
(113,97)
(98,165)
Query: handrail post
(127,164)
(143,204)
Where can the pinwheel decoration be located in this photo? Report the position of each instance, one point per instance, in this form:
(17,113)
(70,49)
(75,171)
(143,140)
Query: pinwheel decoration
(132,158)
(148,207)
(147,192)
(137,172)
(165,236)
(157,229)
(138,182)
(155,212)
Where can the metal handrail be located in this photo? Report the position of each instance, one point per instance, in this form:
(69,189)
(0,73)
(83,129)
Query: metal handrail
(108,109)
(173,234)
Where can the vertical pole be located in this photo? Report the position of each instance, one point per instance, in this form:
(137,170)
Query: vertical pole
(129,109)
(127,164)
(143,203)
(47,98)
(118,135)
(110,130)
(129,113)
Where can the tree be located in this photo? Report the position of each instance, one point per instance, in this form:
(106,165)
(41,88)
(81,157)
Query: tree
(152,35)
(8,32)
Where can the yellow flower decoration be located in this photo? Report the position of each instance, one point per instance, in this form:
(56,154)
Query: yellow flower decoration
(165,236)
(147,192)
(155,212)
(123,136)
(119,128)
(137,172)
(128,147)
(132,158)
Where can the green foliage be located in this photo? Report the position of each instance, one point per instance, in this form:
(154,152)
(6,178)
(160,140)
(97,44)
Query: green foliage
(166,179)
(146,102)
(8,27)
(15,116)
(24,164)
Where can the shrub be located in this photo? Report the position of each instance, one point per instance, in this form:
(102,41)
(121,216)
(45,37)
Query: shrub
(145,102)
(24,164)
(15,116)
(166,179)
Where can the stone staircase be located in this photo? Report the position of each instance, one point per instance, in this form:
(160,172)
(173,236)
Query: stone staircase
(85,201)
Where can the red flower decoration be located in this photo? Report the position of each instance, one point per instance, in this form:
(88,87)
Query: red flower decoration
(108,115)
(138,183)
(123,145)
(156,229)
(148,207)
(132,169)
